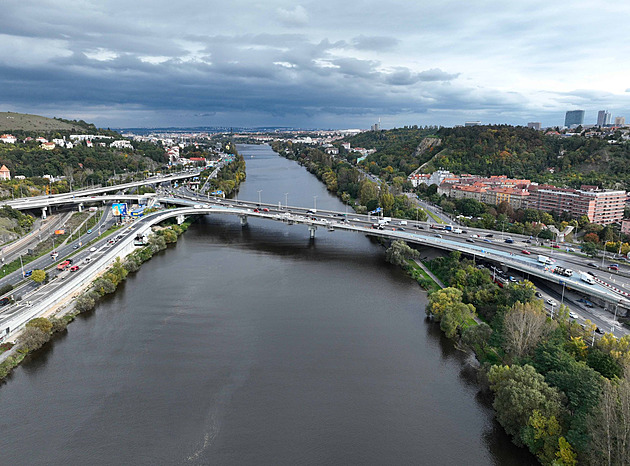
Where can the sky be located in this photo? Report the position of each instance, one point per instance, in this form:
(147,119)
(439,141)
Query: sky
(314,64)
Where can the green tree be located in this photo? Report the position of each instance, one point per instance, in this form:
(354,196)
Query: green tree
(38,276)
(519,391)
(399,252)
(446,307)
(31,339)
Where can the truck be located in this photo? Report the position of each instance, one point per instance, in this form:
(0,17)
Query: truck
(586,278)
(63,265)
(384,220)
(437,226)
(544,259)
(562,271)
(457,231)
(448,227)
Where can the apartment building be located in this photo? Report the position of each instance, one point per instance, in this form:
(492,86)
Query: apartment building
(600,206)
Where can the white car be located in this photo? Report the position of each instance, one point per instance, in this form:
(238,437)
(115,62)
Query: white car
(92,249)
(573,315)
(551,302)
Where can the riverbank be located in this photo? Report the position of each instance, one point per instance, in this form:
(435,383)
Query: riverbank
(38,331)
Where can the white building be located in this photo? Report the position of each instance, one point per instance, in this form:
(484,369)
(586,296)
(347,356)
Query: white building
(8,139)
(121,144)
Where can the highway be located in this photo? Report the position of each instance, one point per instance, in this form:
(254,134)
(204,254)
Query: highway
(490,247)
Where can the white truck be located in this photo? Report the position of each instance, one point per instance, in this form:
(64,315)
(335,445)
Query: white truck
(384,220)
(544,259)
(586,278)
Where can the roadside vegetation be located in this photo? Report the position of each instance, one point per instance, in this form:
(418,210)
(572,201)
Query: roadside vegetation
(38,331)
(557,390)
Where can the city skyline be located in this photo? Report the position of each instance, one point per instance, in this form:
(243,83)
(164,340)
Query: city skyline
(318,65)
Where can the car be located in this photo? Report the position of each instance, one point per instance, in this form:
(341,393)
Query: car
(265,209)
(28,273)
(419,227)
(599,330)
(538,294)
(470,240)
(513,279)
(89,231)
(573,315)
(528,241)
(593,264)
(401,229)
(111,241)
(489,235)
(526,252)
(87,260)
(464,232)
(4,301)
(437,235)
(591,273)
(551,302)
(76,246)
(74,268)
(256,210)
(509,240)
(487,240)
(613,267)
(93,249)
(356,219)
(474,236)
(555,246)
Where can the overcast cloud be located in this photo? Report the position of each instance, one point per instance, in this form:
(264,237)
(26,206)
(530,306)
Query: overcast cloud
(318,64)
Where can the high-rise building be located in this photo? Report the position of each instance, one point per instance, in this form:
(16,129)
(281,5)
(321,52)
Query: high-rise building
(620,121)
(603,118)
(534,125)
(574,118)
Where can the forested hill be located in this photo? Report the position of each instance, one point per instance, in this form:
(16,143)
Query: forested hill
(504,150)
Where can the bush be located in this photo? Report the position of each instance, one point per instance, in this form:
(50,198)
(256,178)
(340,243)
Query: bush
(41,323)
(58,325)
(6,288)
(84,303)
(32,338)
(104,286)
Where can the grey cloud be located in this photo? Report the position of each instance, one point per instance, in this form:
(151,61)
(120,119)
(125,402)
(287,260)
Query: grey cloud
(436,74)
(375,43)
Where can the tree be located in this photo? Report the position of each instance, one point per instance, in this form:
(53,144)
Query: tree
(68,172)
(524,326)
(477,336)
(446,307)
(609,425)
(399,252)
(590,248)
(41,323)
(32,338)
(519,391)
(38,276)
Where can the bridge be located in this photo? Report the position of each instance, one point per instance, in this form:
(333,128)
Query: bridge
(417,233)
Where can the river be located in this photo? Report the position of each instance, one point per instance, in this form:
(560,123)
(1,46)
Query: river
(254,346)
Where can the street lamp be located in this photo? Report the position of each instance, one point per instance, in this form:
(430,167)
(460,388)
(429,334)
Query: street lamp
(259,202)
(315,203)
(286,200)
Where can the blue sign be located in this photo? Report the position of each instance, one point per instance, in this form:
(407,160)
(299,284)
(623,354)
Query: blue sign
(119,210)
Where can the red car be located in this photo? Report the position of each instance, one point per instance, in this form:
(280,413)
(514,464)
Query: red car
(265,209)
(555,246)
(74,268)
(525,251)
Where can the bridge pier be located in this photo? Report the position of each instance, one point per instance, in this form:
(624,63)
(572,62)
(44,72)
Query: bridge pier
(243,220)
(180,219)
(311,231)
(44,213)
(81,207)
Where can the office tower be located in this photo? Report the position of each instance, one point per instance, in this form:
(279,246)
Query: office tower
(603,118)
(620,121)
(574,118)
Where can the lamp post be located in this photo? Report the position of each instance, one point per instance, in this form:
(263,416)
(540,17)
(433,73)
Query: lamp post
(315,203)
(259,202)
(563,286)
(612,328)
(286,201)
(22,265)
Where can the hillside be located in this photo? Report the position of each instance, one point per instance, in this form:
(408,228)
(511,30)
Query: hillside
(10,121)
(501,150)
